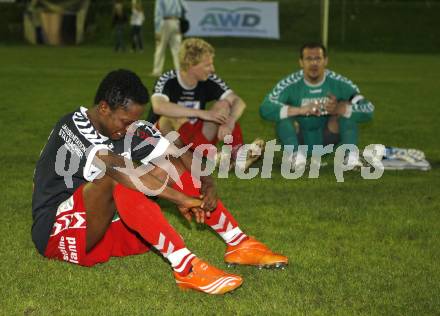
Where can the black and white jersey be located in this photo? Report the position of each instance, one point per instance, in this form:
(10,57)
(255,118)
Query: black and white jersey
(66,162)
(170,86)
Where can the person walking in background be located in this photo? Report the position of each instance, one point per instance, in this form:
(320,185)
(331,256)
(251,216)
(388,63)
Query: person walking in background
(34,11)
(136,21)
(118,22)
(167,32)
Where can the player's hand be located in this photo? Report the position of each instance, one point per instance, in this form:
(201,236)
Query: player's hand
(310,109)
(191,206)
(331,104)
(214,116)
(209,197)
(225,129)
(200,214)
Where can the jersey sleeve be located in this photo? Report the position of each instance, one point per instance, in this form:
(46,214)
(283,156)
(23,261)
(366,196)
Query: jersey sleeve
(275,105)
(74,146)
(81,137)
(162,87)
(360,109)
(216,88)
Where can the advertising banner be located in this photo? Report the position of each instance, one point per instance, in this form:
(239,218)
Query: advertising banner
(237,19)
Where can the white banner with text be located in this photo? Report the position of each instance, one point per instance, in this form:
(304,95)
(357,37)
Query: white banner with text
(237,19)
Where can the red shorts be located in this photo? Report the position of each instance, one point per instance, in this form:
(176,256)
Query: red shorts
(192,133)
(68,237)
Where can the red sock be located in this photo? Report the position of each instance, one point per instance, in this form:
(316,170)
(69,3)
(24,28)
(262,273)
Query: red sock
(145,217)
(221,220)
(237,135)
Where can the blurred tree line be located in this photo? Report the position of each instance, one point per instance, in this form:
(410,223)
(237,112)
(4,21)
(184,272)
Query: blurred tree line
(370,25)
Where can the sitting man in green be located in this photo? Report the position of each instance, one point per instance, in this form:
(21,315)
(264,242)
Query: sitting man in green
(316,106)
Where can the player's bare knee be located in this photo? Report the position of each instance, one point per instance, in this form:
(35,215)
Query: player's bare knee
(165,125)
(106,182)
(101,188)
(209,130)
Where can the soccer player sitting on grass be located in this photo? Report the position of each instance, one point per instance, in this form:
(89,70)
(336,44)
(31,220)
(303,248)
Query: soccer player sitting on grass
(180,98)
(83,177)
(315,106)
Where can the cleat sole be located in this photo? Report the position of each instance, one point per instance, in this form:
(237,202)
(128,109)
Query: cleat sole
(273,266)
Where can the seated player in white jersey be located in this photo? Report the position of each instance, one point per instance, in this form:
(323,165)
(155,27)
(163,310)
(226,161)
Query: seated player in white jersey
(103,161)
(180,99)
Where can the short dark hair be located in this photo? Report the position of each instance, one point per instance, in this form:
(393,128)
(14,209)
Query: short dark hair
(312,45)
(121,87)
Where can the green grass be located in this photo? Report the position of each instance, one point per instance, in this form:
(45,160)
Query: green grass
(358,247)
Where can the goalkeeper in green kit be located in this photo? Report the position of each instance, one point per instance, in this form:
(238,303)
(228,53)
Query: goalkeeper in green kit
(316,106)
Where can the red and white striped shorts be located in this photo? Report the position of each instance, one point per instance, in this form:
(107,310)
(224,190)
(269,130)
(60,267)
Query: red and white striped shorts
(68,236)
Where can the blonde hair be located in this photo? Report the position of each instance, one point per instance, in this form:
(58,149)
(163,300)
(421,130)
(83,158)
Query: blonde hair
(192,51)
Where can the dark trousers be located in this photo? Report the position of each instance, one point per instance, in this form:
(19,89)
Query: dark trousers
(136,37)
(119,37)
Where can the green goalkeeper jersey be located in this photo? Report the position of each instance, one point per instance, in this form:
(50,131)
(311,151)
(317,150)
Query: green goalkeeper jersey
(295,91)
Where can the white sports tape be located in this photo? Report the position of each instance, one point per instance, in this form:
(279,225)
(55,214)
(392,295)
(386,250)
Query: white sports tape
(356,99)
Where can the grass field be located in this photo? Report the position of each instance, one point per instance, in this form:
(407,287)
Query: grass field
(359,247)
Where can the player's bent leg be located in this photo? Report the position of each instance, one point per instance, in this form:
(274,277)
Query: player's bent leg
(241,249)
(87,238)
(348,131)
(169,124)
(313,137)
(330,137)
(145,217)
(244,159)
(210,129)
(333,124)
(191,134)
(286,132)
(100,209)
(67,239)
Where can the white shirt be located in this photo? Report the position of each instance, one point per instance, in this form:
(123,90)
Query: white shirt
(137,17)
(165,8)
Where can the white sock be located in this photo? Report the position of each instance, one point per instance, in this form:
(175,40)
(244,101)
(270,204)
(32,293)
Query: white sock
(180,259)
(233,237)
(353,158)
(299,158)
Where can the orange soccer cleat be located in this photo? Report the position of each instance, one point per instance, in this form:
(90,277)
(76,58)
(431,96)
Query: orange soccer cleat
(208,279)
(254,253)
